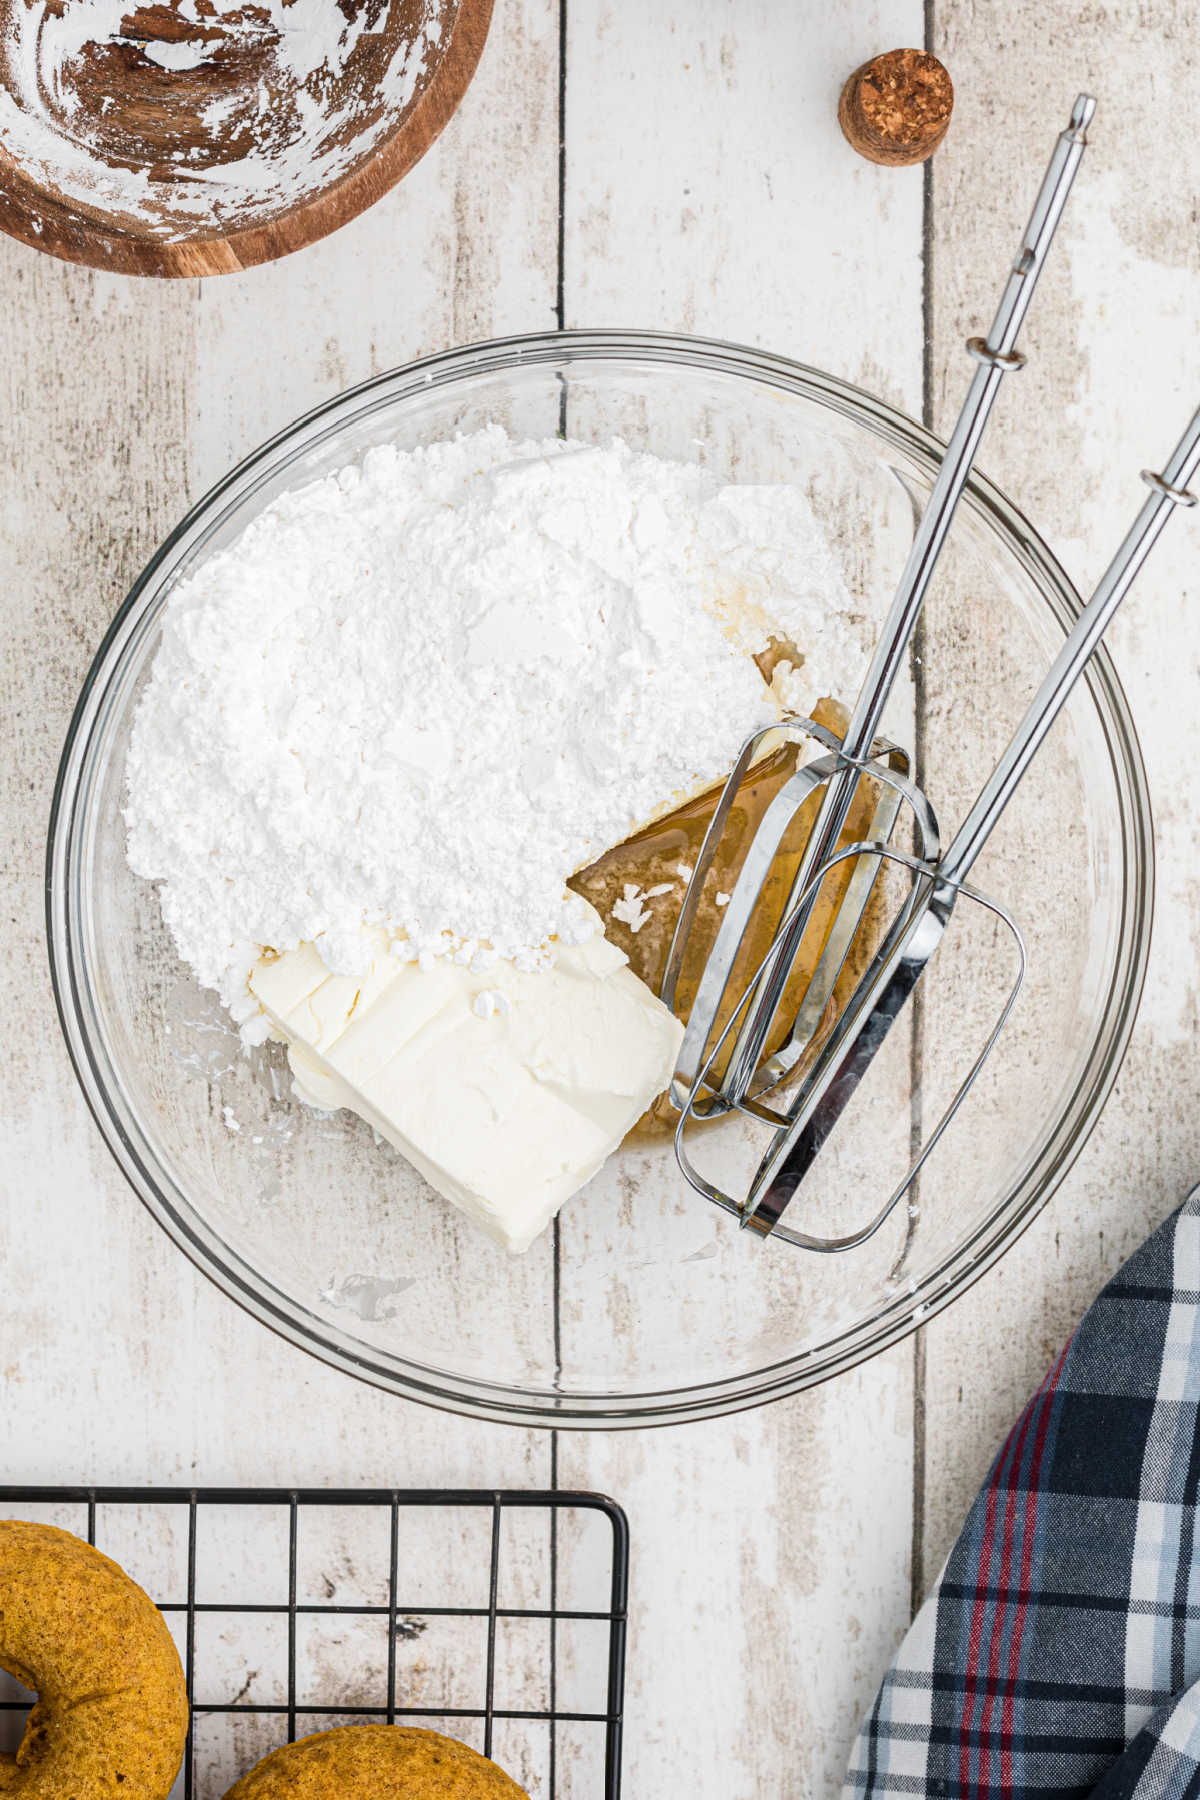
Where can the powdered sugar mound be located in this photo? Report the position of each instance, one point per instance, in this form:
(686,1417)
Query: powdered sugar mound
(423,691)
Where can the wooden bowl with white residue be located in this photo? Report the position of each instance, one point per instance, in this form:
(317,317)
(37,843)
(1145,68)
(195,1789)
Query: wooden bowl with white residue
(197,137)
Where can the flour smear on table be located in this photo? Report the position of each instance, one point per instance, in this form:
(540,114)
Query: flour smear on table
(301,117)
(423,691)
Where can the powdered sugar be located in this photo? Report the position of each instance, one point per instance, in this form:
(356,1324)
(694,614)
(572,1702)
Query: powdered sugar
(631,909)
(424,691)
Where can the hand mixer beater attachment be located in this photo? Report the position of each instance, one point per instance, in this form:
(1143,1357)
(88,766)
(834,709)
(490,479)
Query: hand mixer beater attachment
(829,1040)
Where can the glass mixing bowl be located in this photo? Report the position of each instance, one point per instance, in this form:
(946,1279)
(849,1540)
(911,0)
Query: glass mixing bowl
(645,1305)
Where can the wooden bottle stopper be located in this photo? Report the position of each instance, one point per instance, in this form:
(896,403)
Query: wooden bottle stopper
(896,108)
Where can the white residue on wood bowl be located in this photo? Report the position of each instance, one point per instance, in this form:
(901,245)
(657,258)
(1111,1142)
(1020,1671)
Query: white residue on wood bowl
(209,114)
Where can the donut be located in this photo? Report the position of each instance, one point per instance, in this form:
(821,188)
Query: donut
(111,1713)
(375,1762)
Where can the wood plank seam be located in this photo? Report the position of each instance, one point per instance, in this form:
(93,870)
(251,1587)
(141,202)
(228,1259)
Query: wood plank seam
(917,1564)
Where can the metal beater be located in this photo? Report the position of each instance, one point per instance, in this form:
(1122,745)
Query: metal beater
(837,1062)
(746,1074)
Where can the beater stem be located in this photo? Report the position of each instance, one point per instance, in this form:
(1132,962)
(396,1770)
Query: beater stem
(1168,490)
(995,355)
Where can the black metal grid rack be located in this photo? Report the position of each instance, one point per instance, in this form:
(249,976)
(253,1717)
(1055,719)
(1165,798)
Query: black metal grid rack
(185,1611)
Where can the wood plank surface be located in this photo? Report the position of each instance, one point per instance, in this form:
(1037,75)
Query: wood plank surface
(706,189)
(124,401)
(1114,374)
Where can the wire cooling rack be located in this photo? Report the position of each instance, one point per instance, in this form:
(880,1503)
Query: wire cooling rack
(496,1616)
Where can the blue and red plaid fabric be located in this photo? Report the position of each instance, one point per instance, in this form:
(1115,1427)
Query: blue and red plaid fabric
(1058,1655)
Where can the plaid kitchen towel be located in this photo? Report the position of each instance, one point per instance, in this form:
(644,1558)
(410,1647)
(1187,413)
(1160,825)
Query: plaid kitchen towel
(1058,1655)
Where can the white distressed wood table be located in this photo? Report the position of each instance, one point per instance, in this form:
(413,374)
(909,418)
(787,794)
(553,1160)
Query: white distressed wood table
(704,187)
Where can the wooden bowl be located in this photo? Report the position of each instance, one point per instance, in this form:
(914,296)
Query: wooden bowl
(197,137)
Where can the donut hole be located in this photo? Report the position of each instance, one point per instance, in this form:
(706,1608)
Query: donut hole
(16,1701)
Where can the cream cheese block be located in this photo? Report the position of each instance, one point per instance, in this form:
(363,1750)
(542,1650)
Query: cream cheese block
(506,1090)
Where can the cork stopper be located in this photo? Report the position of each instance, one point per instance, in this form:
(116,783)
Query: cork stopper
(896,108)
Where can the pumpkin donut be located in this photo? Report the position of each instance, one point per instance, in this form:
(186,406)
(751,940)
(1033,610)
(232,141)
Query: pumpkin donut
(111,1712)
(375,1762)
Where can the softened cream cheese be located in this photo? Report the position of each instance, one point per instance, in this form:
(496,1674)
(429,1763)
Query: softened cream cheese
(507,1090)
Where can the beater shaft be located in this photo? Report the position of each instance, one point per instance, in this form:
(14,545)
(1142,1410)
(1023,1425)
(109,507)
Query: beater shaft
(995,355)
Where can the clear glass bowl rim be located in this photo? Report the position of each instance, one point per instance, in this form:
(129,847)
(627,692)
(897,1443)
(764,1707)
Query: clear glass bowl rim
(480,1399)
